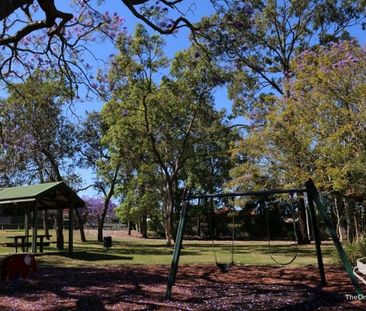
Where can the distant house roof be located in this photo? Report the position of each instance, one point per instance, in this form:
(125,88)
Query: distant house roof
(53,195)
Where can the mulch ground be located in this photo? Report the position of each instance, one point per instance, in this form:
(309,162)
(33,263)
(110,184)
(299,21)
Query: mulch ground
(198,287)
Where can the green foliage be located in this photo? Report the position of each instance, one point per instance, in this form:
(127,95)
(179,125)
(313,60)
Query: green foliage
(139,196)
(257,40)
(356,249)
(163,129)
(317,128)
(38,141)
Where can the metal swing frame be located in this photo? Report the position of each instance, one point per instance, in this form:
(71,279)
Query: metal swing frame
(313,197)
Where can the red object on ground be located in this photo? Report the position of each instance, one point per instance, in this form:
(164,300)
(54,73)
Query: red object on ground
(18,265)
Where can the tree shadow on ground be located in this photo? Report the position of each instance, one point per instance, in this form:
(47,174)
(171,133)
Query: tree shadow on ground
(149,251)
(96,256)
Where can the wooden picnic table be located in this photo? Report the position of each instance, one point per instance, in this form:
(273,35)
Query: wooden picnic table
(24,243)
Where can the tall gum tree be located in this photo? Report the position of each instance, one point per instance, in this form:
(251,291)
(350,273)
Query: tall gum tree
(141,198)
(318,130)
(95,155)
(154,121)
(257,40)
(36,138)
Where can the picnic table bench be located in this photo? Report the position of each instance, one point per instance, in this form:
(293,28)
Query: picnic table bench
(23,242)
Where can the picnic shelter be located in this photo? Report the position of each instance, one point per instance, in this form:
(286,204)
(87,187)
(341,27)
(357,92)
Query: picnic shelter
(45,196)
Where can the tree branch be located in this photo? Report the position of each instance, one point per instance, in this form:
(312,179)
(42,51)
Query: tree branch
(178,23)
(7,7)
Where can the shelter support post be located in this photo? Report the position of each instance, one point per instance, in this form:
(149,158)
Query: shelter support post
(34,229)
(323,214)
(177,250)
(26,226)
(71,229)
(315,227)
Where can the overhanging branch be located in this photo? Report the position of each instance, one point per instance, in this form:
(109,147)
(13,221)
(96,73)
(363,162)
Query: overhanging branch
(177,23)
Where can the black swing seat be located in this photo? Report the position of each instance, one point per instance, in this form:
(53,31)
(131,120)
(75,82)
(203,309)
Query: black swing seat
(224,267)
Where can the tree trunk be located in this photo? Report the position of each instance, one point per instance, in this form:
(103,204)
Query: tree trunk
(45,224)
(143,226)
(349,219)
(338,206)
(107,200)
(168,214)
(101,221)
(302,230)
(129,227)
(356,227)
(168,223)
(100,231)
(198,226)
(59,230)
(81,226)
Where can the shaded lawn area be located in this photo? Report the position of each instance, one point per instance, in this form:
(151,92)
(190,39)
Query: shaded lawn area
(127,250)
(198,287)
(155,252)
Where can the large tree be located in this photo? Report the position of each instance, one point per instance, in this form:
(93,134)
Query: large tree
(317,130)
(256,41)
(155,122)
(95,155)
(140,198)
(35,133)
(37,140)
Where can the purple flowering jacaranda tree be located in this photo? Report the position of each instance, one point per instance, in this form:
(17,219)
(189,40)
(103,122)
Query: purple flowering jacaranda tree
(57,34)
(97,210)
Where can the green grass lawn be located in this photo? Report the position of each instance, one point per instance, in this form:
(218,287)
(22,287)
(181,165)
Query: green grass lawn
(154,251)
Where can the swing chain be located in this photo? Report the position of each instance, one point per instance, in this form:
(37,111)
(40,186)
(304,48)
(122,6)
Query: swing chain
(269,234)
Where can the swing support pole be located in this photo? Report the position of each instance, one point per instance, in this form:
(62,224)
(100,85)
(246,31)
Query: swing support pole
(177,249)
(342,255)
(315,227)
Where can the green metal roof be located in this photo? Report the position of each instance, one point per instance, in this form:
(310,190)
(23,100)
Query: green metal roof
(45,191)
(25,192)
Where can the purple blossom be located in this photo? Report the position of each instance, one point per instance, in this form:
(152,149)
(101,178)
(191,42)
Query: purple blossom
(94,209)
(87,25)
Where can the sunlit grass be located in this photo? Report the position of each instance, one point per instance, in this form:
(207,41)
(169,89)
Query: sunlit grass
(153,251)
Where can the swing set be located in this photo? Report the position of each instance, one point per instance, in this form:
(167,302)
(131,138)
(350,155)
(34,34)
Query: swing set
(314,200)
(226,267)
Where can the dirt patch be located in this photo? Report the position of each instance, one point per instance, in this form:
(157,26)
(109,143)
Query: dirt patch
(198,287)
